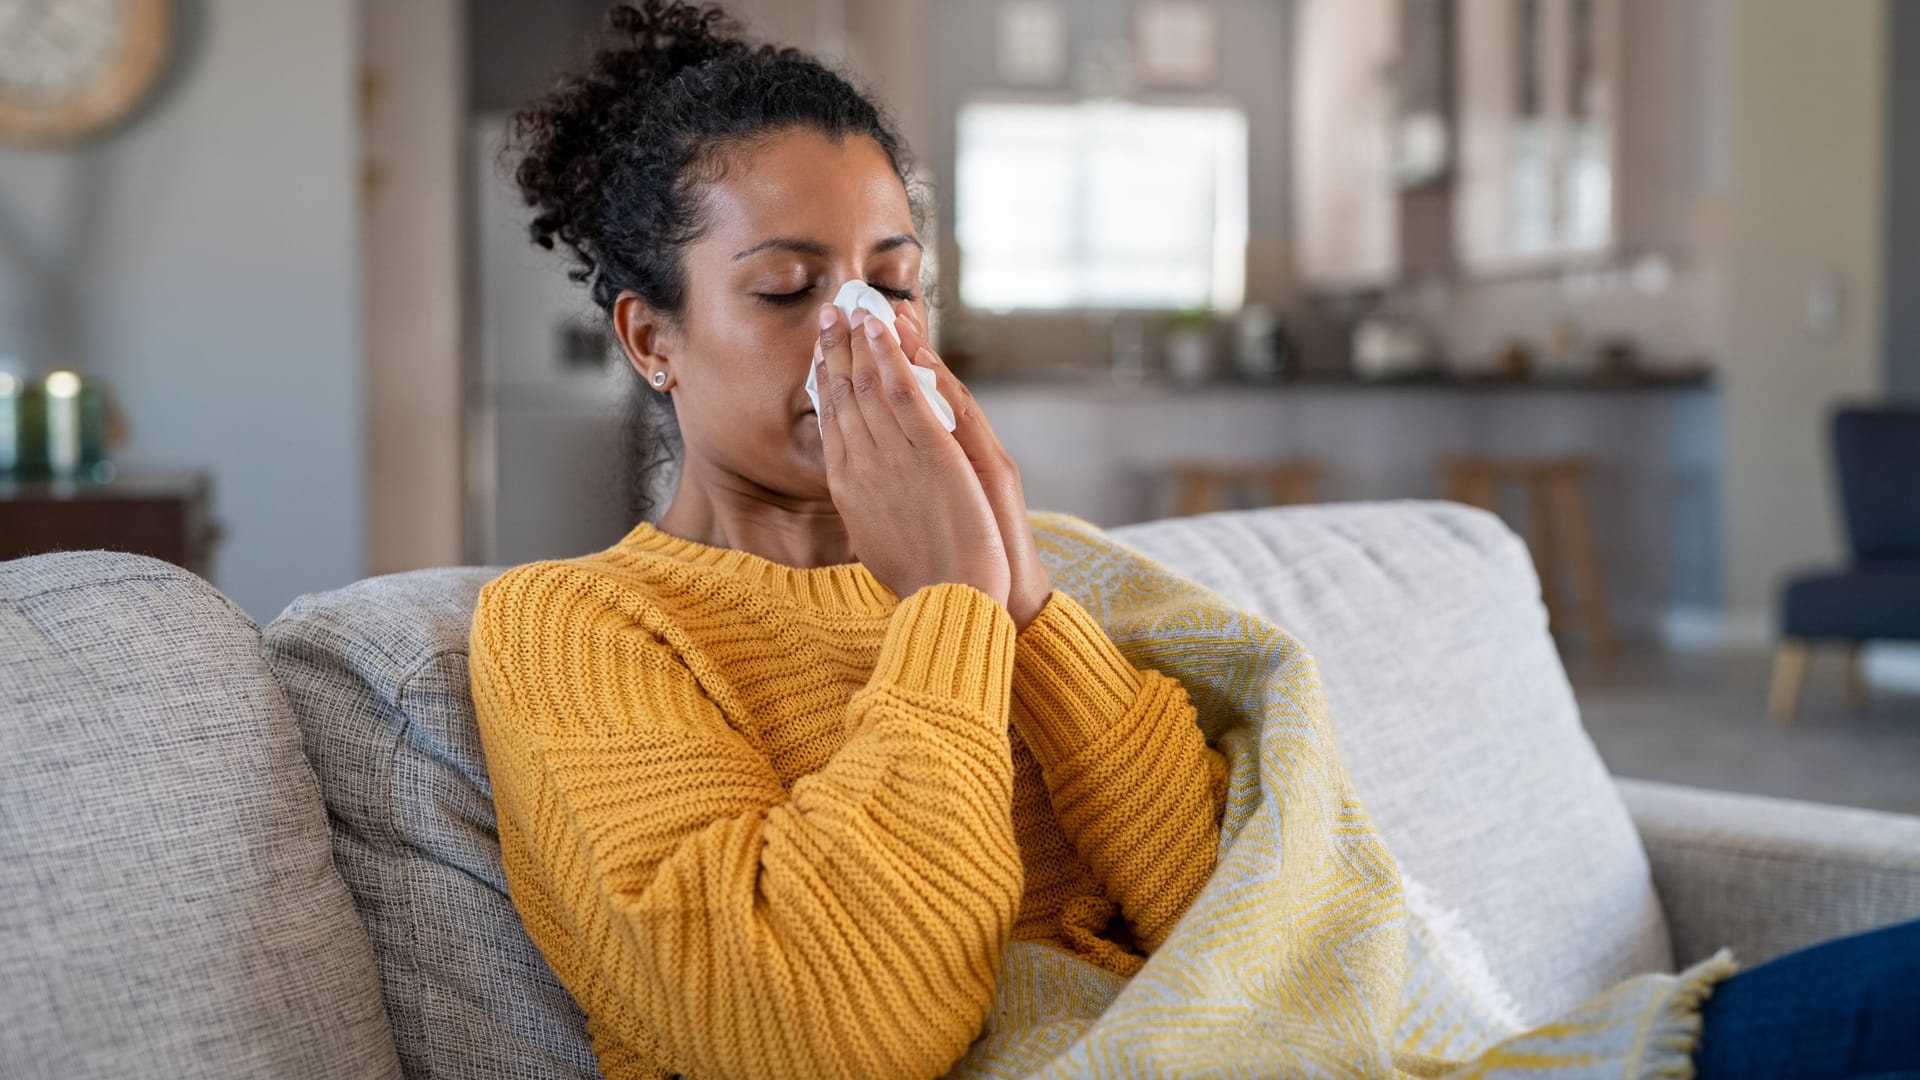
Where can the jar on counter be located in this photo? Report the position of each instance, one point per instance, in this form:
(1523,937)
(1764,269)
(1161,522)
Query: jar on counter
(23,426)
(9,421)
(76,424)
(56,426)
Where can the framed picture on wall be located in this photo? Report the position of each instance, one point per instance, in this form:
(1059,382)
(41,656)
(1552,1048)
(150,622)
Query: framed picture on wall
(1176,44)
(1032,43)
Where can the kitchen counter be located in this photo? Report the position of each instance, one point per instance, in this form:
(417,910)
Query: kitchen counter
(1698,378)
(1106,452)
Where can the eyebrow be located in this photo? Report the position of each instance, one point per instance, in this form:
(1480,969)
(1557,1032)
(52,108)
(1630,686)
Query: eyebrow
(815,247)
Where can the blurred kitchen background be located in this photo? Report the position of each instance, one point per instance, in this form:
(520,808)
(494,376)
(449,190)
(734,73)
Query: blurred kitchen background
(1611,268)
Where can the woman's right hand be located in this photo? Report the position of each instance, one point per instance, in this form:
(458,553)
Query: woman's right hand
(914,510)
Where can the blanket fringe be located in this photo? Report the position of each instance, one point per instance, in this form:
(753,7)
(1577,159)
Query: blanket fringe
(1676,1029)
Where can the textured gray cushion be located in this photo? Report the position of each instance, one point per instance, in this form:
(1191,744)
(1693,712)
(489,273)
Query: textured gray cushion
(168,905)
(1766,876)
(1458,725)
(1453,711)
(377,673)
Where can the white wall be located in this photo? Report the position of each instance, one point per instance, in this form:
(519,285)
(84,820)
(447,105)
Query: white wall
(204,261)
(1903,206)
(1804,199)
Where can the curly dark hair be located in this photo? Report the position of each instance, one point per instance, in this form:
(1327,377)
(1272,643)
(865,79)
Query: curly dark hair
(613,158)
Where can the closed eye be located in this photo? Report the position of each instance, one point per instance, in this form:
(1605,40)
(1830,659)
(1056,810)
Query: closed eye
(795,297)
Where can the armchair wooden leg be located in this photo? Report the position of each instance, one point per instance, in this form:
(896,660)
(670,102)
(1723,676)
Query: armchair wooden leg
(1789,677)
(1856,684)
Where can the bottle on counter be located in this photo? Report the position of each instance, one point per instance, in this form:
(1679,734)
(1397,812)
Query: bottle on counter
(1129,359)
(23,426)
(11,386)
(1262,350)
(1189,346)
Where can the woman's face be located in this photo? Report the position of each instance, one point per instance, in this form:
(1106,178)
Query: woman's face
(795,216)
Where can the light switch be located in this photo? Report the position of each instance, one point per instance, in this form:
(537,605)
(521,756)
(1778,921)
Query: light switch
(1825,299)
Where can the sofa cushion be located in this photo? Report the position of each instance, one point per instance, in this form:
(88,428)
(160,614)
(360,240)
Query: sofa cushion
(1453,712)
(1457,723)
(377,674)
(1869,603)
(169,905)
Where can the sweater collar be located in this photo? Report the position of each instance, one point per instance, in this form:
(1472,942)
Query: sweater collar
(847,587)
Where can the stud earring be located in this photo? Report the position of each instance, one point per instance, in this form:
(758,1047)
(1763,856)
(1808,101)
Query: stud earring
(659,378)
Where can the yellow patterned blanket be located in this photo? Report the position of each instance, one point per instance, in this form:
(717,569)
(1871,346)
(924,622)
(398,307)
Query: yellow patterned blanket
(1300,958)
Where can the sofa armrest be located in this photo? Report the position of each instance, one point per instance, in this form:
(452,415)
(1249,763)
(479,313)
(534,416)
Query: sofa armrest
(1765,876)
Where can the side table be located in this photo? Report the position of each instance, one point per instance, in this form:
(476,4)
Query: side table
(159,512)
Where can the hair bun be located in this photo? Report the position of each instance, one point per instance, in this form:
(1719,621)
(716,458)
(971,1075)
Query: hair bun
(669,36)
(565,139)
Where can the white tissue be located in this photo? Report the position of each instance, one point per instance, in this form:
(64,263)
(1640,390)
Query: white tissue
(858,294)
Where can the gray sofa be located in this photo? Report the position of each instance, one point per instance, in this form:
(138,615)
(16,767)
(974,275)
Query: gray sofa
(233,852)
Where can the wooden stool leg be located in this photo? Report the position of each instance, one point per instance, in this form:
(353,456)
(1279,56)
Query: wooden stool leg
(1789,678)
(1573,530)
(1856,681)
(1200,491)
(1472,484)
(1544,542)
(1306,483)
(1290,485)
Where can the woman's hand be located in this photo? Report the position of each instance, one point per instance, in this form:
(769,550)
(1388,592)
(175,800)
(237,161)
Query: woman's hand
(999,476)
(915,513)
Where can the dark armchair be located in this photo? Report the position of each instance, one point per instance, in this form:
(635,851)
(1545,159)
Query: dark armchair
(1877,455)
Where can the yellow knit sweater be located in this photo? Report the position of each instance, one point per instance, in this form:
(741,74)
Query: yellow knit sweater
(776,822)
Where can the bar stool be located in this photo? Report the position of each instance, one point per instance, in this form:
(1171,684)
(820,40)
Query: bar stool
(1558,532)
(1201,487)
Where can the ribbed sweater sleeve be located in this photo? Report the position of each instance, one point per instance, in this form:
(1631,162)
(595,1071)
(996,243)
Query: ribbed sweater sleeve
(1137,790)
(850,927)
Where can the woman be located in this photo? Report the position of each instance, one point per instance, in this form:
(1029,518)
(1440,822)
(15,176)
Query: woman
(825,864)
(780,777)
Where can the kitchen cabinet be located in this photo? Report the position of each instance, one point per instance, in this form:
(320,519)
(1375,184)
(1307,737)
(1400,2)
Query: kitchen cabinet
(1560,133)
(1538,114)
(163,513)
(1346,204)
(1374,140)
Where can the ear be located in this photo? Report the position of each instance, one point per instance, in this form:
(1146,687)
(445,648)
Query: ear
(642,331)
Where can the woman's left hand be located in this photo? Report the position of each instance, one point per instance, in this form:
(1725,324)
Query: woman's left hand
(999,476)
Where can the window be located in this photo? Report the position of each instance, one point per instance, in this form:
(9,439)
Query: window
(1102,205)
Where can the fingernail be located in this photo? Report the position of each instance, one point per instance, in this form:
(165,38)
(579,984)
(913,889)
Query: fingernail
(827,315)
(874,329)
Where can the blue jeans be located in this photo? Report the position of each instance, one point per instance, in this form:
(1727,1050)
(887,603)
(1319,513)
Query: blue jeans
(1846,1008)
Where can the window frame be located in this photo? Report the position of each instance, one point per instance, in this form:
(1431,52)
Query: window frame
(1227,274)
